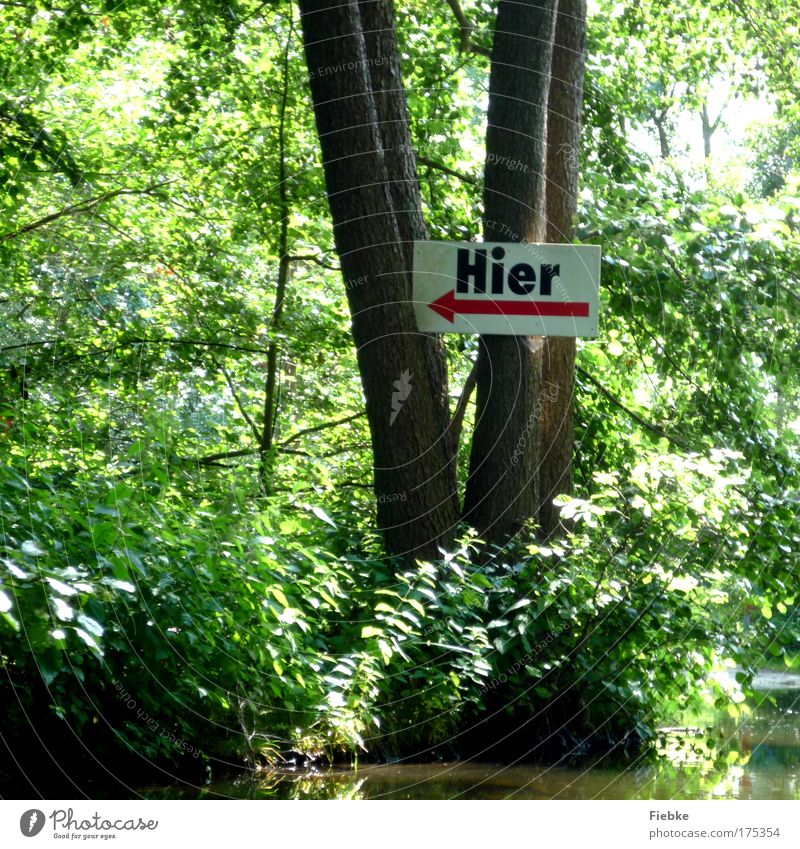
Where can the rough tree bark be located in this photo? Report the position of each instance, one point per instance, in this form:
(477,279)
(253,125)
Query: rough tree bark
(377,20)
(564,109)
(361,116)
(501,492)
(660,120)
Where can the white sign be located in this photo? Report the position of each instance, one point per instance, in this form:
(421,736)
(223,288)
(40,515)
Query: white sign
(509,288)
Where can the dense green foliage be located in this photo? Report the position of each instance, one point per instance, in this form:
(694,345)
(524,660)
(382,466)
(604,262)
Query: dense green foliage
(166,590)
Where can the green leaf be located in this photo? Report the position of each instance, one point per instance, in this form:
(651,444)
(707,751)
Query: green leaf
(480,580)
(88,639)
(279,595)
(416,605)
(321,514)
(90,624)
(62,610)
(386,650)
(60,587)
(32,548)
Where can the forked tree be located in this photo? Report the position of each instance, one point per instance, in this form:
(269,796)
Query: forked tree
(363,124)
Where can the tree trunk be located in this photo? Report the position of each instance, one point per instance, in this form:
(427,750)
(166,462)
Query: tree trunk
(403,372)
(284,273)
(660,120)
(378,23)
(709,128)
(501,493)
(564,110)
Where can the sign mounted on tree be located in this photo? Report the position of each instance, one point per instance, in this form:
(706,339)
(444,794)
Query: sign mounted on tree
(508,288)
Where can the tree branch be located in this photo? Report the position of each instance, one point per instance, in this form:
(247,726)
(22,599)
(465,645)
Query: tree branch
(83,206)
(36,137)
(457,421)
(211,459)
(237,399)
(465,28)
(272,386)
(128,342)
(337,451)
(323,426)
(357,484)
(439,166)
(316,259)
(41,343)
(653,428)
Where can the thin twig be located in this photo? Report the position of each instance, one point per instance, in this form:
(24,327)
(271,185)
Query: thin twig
(432,163)
(272,387)
(211,459)
(457,421)
(316,259)
(357,484)
(237,399)
(83,206)
(323,426)
(466,28)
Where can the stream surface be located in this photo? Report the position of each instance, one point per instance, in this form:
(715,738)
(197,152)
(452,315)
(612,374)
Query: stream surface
(758,758)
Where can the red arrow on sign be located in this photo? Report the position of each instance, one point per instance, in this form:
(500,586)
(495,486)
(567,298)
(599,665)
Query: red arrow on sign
(447,306)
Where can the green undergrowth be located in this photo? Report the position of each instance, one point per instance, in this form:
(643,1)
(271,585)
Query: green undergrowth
(180,629)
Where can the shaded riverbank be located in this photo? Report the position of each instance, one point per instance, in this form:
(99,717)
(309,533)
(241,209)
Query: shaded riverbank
(715,756)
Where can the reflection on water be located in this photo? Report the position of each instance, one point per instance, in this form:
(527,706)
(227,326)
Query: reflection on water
(757,757)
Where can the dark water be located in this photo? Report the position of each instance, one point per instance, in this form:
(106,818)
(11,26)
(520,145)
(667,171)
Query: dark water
(757,757)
